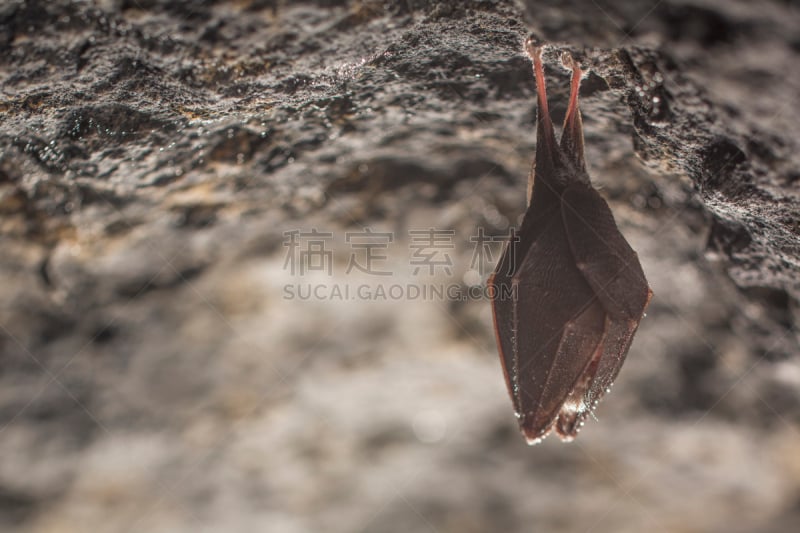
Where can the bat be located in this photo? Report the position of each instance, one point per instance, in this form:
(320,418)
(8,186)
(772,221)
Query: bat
(568,292)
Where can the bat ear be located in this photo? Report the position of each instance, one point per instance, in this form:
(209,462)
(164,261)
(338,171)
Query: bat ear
(572,135)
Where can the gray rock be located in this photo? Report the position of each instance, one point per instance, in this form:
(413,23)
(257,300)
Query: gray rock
(162,371)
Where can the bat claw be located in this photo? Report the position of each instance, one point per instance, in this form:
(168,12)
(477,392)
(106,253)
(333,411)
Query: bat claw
(534,47)
(568,61)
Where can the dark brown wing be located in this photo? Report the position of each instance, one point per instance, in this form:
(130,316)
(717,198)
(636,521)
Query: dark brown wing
(550,327)
(504,293)
(612,269)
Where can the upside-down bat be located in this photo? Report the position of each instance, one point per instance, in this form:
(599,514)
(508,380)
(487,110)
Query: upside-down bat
(568,292)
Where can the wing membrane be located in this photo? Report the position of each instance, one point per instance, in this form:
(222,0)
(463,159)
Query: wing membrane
(612,269)
(549,331)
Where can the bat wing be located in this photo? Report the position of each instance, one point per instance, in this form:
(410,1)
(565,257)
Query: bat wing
(504,292)
(549,327)
(612,269)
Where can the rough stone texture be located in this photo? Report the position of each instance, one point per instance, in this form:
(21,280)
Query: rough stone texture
(155,377)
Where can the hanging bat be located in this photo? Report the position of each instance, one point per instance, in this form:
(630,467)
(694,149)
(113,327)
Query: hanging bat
(568,292)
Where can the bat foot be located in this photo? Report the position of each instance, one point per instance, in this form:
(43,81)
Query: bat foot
(570,63)
(534,47)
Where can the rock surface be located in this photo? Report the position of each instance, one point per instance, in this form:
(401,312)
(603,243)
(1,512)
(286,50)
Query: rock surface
(161,371)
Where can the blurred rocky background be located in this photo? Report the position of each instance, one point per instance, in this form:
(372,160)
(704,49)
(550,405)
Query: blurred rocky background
(161,371)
